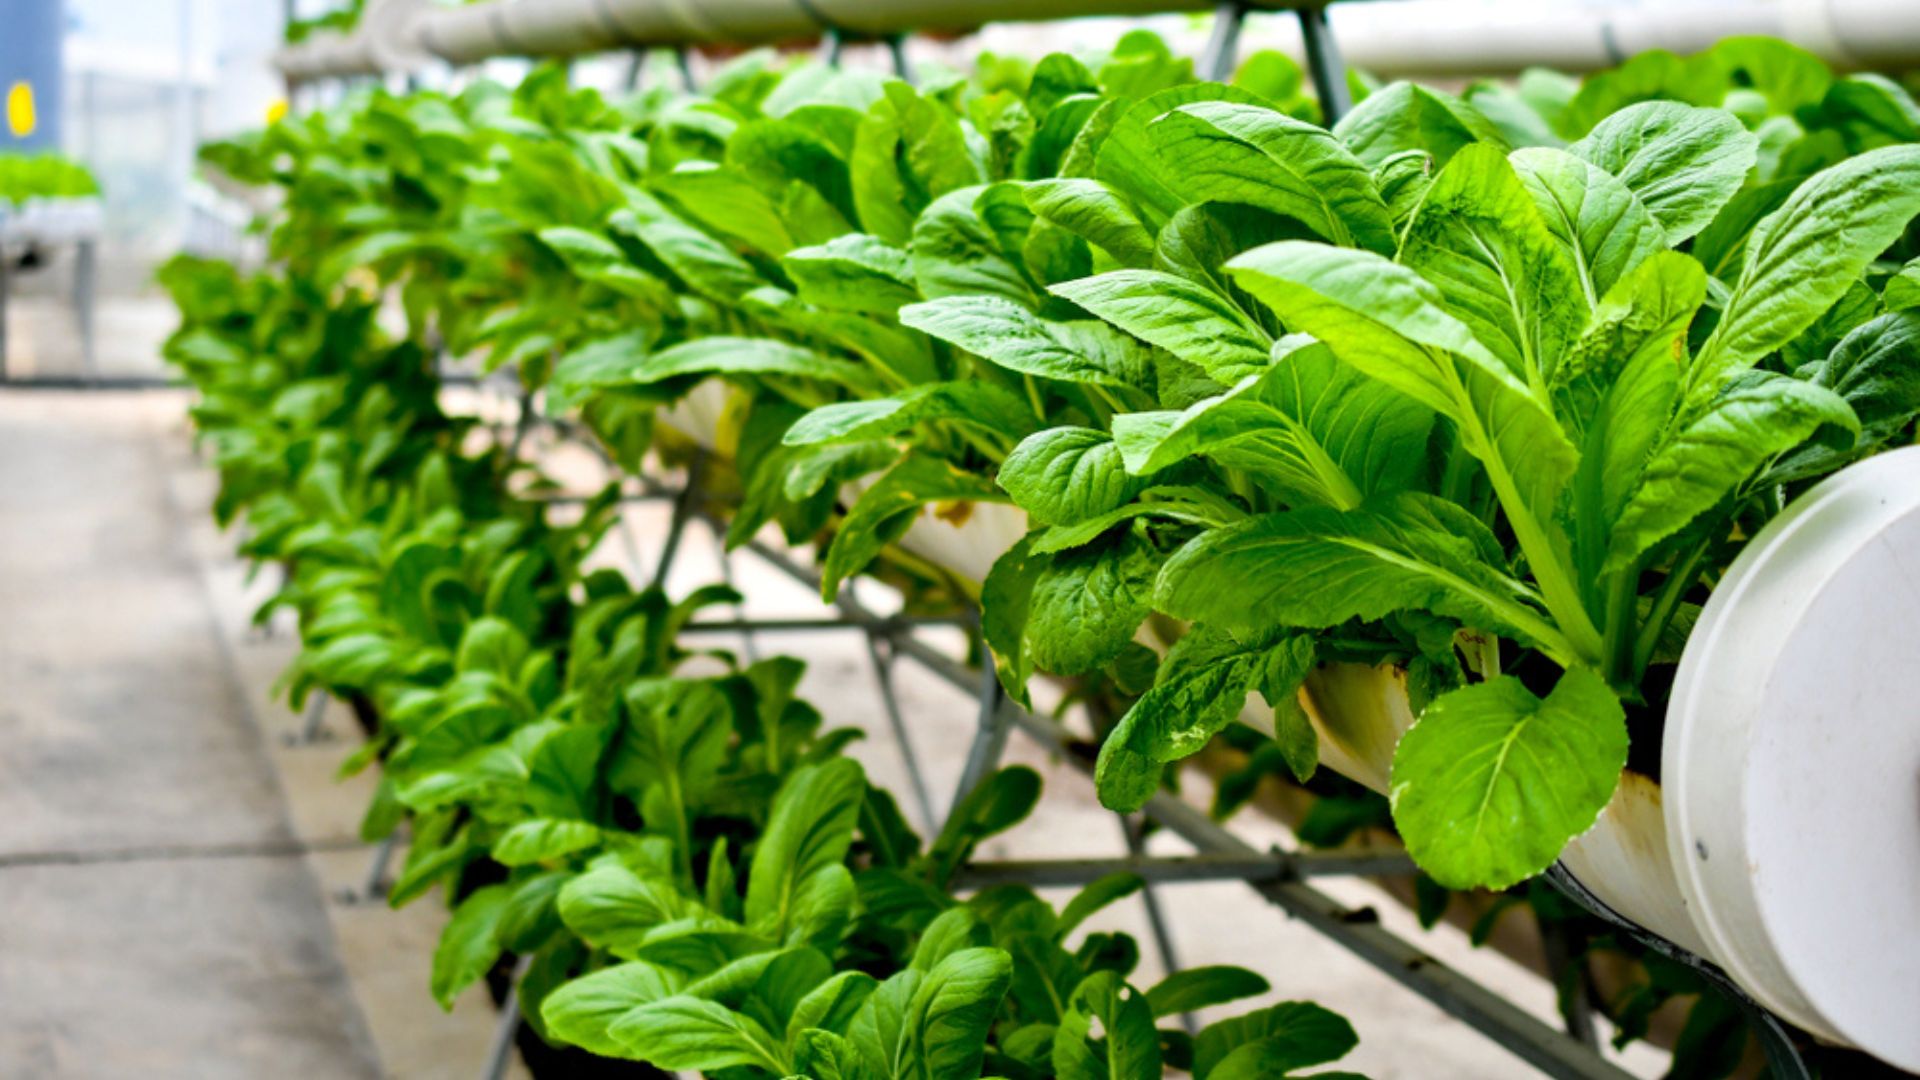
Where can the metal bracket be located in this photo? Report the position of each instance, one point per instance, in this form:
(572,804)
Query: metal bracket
(1222,53)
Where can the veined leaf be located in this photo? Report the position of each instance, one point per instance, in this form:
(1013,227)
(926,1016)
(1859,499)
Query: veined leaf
(537,840)
(685,1032)
(810,829)
(1128,1045)
(1603,224)
(1315,567)
(1479,238)
(1192,322)
(1877,370)
(1804,256)
(1758,416)
(1683,162)
(1195,988)
(884,512)
(1403,117)
(981,404)
(1492,781)
(1068,474)
(470,943)
(853,273)
(1271,1042)
(705,264)
(1200,689)
(1087,604)
(1320,429)
(1231,152)
(958,253)
(908,149)
(1097,214)
(749,356)
(583,1010)
(1018,340)
(1126,157)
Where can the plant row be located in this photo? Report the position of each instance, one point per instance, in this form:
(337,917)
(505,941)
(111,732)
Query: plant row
(668,847)
(1486,390)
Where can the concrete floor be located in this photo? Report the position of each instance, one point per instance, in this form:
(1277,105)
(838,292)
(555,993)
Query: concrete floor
(169,865)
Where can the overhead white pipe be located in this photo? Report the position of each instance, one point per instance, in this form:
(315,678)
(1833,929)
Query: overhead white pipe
(1421,37)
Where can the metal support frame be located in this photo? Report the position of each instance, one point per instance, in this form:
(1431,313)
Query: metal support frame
(375,885)
(507,1028)
(1222,53)
(86,273)
(1324,64)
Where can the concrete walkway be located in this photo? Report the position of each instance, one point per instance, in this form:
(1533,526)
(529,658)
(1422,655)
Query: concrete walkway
(157,918)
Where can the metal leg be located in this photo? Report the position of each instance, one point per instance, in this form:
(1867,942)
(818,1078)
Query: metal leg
(683,509)
(990,743)
(375,885)
(314,729)
(831,46)
(1324,63)
(685,65)
(1134,830)
(749,641)
(897,49)
(1562,964)
(880,651)
(500,1049)
(85,270)
(521,425)
(1222,54)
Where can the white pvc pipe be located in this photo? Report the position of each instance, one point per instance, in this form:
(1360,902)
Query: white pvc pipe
(1416,37)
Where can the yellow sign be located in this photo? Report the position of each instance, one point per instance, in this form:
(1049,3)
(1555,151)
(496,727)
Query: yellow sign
(277,111)
(20,117)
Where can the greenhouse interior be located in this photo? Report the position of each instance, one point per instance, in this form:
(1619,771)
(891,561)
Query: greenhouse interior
(945,539)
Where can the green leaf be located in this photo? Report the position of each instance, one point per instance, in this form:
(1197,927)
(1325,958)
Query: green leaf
(958,253)
(582,1012)
(1096,213)
(1095,896)
(1480,239)
(830,1006)
(1876,368)
(1805,256)
(1127,160)
(1315,567)
(615,908)
(1005,599)
(1066,474)
(1403,117)
(1318,429)
(532,916)
(686,1032)
(1192,989)
(853,273)
(1758,416)
(538,840)
(907,151)
(1492,782)
(810,829)
(1603,224)
(1000,802)
(981,404)
(1903,289)
(886,510)
(1271,1042)
(1016,339)
(749,356)
(1201,688)
(1239,153)
(1087,604)
(950,1014)
(705,264)
(470,944)
(1683,162)
(1129,1046)
(1194,323)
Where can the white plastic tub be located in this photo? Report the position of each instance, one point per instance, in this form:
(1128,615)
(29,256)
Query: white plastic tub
(720,21)
(559,27)
(1792,762)
(1784,841)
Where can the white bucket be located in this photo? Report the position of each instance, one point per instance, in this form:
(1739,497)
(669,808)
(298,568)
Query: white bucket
(1792,762)
(1360,712)
(391,32)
